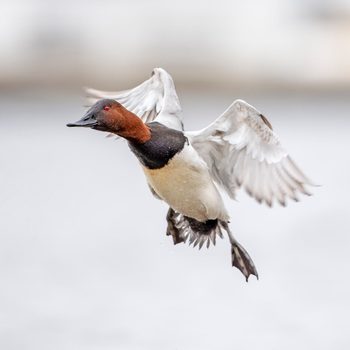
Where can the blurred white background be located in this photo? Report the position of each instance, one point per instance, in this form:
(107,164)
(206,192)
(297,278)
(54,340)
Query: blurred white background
(281,43)
(84,260)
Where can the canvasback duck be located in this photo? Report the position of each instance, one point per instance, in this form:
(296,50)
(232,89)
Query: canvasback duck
(187,169)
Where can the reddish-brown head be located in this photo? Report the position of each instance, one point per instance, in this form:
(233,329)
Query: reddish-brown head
(110,116)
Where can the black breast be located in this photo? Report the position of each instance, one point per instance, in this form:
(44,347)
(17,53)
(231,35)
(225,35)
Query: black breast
(162,146)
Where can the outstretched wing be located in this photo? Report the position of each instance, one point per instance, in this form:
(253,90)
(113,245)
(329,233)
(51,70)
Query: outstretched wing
(241,150)
(153,100)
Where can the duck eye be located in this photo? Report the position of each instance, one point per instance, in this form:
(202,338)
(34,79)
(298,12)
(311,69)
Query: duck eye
(106,108)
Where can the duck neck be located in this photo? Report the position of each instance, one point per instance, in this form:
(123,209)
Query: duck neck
(134,129)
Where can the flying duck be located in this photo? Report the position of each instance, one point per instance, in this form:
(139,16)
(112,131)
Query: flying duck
(187,170)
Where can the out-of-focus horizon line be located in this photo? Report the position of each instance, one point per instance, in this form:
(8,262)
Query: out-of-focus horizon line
(128,81)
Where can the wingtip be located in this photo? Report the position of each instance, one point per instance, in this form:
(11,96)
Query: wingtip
(156,70)
(89,91)
(252,274)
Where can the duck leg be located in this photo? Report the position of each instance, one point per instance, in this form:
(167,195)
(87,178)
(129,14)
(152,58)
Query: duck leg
(172,230)
(181,228)
(240,257)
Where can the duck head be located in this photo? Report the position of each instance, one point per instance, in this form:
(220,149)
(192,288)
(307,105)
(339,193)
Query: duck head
(110,116)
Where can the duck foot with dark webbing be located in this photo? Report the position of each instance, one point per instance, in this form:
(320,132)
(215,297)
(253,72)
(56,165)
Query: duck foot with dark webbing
(183,228)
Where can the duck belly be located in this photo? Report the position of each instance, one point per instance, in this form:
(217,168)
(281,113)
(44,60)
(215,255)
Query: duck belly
(185,184)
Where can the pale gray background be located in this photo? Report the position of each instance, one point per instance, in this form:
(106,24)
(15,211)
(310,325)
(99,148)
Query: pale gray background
(84,260)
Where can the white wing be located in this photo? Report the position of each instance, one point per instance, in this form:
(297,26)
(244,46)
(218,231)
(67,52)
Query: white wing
(153,100)
(241,149)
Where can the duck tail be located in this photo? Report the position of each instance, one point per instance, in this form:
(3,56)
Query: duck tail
(183,228)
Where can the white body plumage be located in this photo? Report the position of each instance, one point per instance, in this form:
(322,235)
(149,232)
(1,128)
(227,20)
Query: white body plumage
(186,185)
